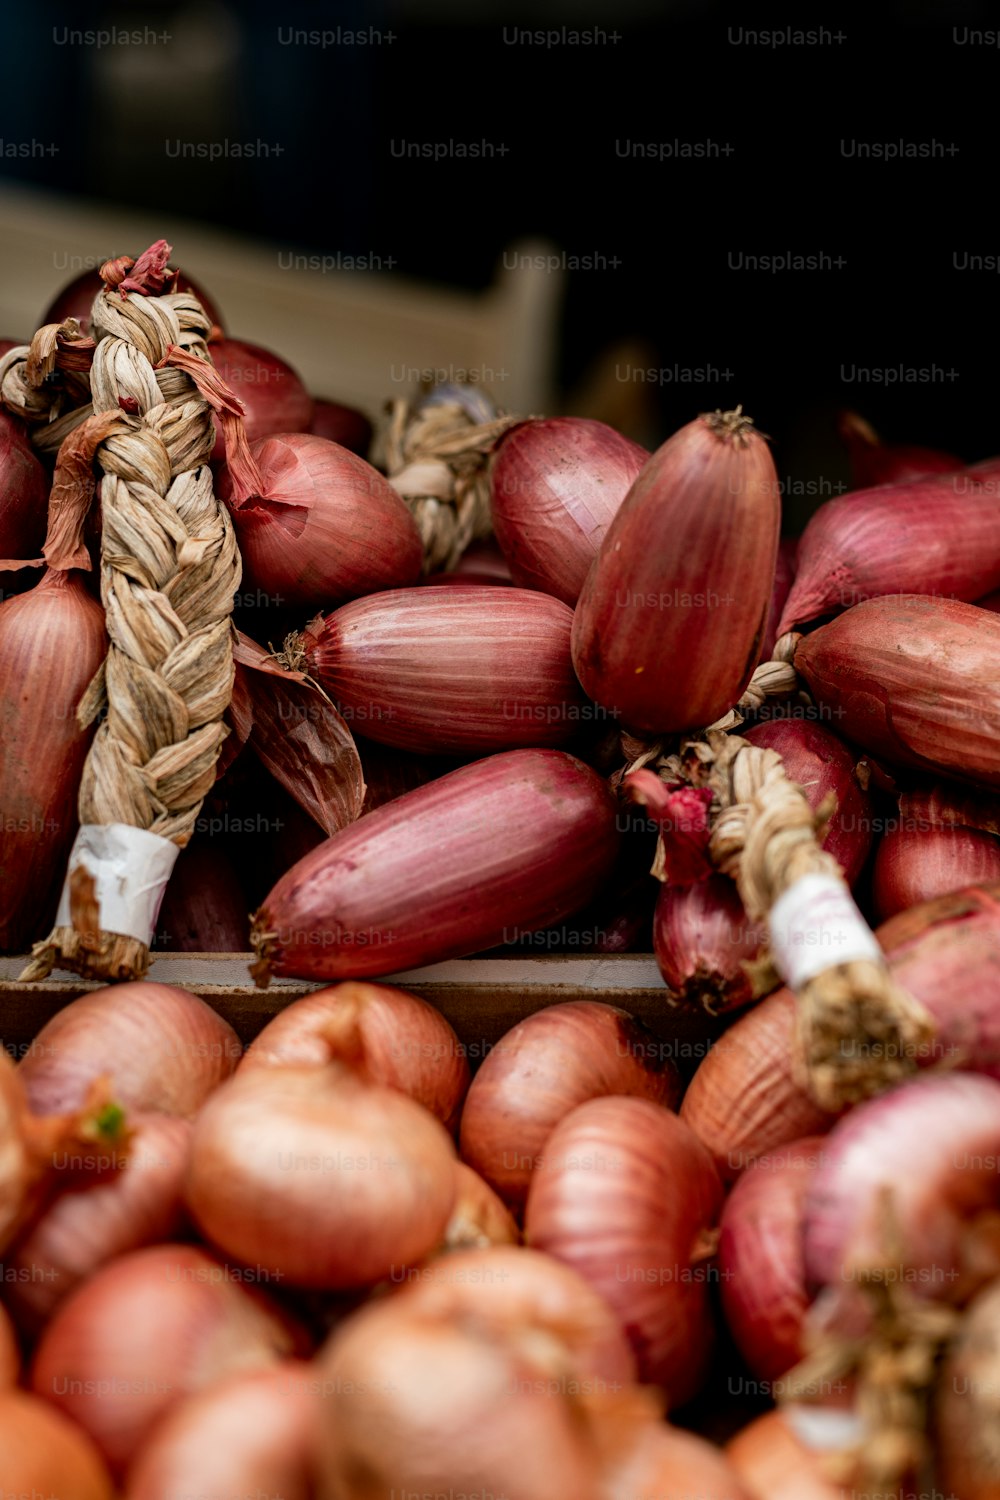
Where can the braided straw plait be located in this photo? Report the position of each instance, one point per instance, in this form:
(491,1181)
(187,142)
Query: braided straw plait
(169,570)
(859,1032)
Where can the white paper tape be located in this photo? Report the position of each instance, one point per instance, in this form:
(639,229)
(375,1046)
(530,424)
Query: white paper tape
(816,925)
(131,868)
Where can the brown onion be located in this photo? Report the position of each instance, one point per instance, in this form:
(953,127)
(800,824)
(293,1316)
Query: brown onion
(666,1463)
(77,298)
(405,1043)
(204,909)
(451,671)
(342,424)
(137,1203)
(274,398)
(626,1194)
(252,1434)
(147,1330)
(318,1176)
(479,1217)
(516,841)
(45,1456)
(541,1069)
(10,1354)
(761,1265)
(911,678)
(965,1403)
(23,497)
(52,641)
(875,462)
(164,1049)
(775,1463)
(555,486)
(317,524)
(669,624)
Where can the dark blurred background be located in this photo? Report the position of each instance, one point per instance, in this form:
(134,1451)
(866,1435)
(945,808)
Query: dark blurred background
(667,288)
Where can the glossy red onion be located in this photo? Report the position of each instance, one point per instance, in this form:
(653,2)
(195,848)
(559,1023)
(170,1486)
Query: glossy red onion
(626,1194)
(23,500)
(875,462)
(911,679)
(317,524)
(669,624)
(164,1049)
(274,398)
(444,671)
(555,486)
(52,641)
(319,1177)
(544,1067)
(136,1202)
(920,858)
(342,424)
(46,1455)
(147,1330)
(761,1266)
(508,844)
(77,298)
(401,1040)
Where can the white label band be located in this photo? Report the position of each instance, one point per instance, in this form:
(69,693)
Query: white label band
(131,868)
(814,926)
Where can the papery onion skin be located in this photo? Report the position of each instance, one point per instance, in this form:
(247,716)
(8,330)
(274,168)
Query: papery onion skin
(406,1044)
(937,535)
(965,1403)
(669,624)
(10,1354)
(342,424)
(273,396)
(325,526)
(52,641)
(322,1179)
(541,1069)
(23,500)
(625,1194)
(703,941)
(137,1203)
(743,1101)
(956,1119)
(479,1218)
(913,865)
(911,679)
(519,841)
(505,1288)
(667,1463)
(204,909)
(555,486)
(761,1267)
(446,671)
(147,1330)
(253,1434)
(775,1464)
(492,1420)
(46,1456)
(77,298)
(164,1048)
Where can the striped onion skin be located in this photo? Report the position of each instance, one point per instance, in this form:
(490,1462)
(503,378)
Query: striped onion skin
(452,670)
(503,846)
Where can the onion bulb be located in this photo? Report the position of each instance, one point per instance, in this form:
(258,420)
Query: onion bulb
(45,1456)
(274,398)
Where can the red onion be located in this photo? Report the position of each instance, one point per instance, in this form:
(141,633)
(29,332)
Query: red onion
(147,1330)
(77,298)
(671,645)
(342,424)
(274,398)
(518,841)
(165,1050)
(252,1434)
(451,671)
(404,1042)
(138,1203)
(10,1354)
(922,856)
(319,1176)
(965,1403)
(761,1266)
(938,535)
(544,1067)
(911,678)
(875,462)
(204,909)
(52,641)
(705,945)
(23,496)
(784,575)
(555,486)
(626,1194)
(946,1254)
(317,524)
(479,1218)
(775,1463)
(44,1455)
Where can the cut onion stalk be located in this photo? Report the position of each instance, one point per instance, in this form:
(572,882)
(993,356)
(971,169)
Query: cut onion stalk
(77,298)
(509,844)
(451,671)
(555,486)
(541,1069)
(669,624)
(874,462)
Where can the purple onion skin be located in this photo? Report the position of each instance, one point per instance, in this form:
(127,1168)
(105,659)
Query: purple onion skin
(502,846)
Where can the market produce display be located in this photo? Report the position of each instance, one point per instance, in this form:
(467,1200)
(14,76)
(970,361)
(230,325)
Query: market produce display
(351,698)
